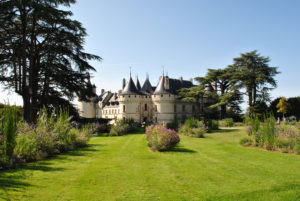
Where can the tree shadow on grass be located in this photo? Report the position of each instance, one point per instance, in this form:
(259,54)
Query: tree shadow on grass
(181,150)
(9,184)
(13,179)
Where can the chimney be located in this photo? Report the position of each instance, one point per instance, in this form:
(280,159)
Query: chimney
(102,91)
(181,78)
(123,83)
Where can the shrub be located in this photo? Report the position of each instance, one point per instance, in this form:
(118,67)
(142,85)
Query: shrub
(283,144)
(81,136)
(268,133)
(228,122)
(27,146)
(132,125)
(160,138)
(254,124)
(64,140)
(247,141)
(212,124)
(239,124)
(119,129)
(198,132)
(191,123)
(8,130)
(102,128)
(174,125)
(193,128)
(297,148)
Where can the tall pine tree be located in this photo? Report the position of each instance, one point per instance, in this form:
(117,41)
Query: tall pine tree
(41,54)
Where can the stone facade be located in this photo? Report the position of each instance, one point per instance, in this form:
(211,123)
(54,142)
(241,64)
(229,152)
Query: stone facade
(143,104)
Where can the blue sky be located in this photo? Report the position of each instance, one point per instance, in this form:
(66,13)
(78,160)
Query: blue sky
(187,37)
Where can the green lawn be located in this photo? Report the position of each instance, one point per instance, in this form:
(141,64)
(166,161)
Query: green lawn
(123,168)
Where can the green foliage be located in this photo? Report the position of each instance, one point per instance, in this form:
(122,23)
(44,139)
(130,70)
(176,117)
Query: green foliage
(297,148)
(50,136)
(193,128)
(212,124)
(103,128)
(174,125)
(254,74)
(116,165)
(59,69)
(119,129)
(122,127)
(160,138)
(283,137)
(228,122)
(8,131)
(27,146)
(246,141)
(293,107)
(62,131)
(253,126)
(268,133)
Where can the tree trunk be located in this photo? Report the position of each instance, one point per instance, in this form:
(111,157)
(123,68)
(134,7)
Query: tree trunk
(223,111)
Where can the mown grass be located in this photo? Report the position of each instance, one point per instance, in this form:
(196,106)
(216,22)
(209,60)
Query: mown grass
(123,168)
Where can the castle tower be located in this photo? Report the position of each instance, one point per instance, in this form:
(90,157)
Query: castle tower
(129,100)
(163,103)
(87,109)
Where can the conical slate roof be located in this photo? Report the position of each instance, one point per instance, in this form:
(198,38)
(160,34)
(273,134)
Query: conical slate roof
(147,87)
(137,84)
(130,88)
(160,89)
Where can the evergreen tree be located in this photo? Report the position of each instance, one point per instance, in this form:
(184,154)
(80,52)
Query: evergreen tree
(226,90)
(253,73)
(41,54)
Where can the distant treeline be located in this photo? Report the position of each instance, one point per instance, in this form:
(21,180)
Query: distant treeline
(293,108)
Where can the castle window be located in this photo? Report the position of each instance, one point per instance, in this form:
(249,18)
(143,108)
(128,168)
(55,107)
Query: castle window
(123,108)
(162,95)
(129,96)
(146,107)
(155,108)
(183,108)
(175,108)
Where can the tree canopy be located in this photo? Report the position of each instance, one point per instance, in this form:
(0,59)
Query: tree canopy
(42,55)
(225,87)
(255,75)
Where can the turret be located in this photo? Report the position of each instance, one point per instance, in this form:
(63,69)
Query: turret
(137,84)
(163,102)
(147,87)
